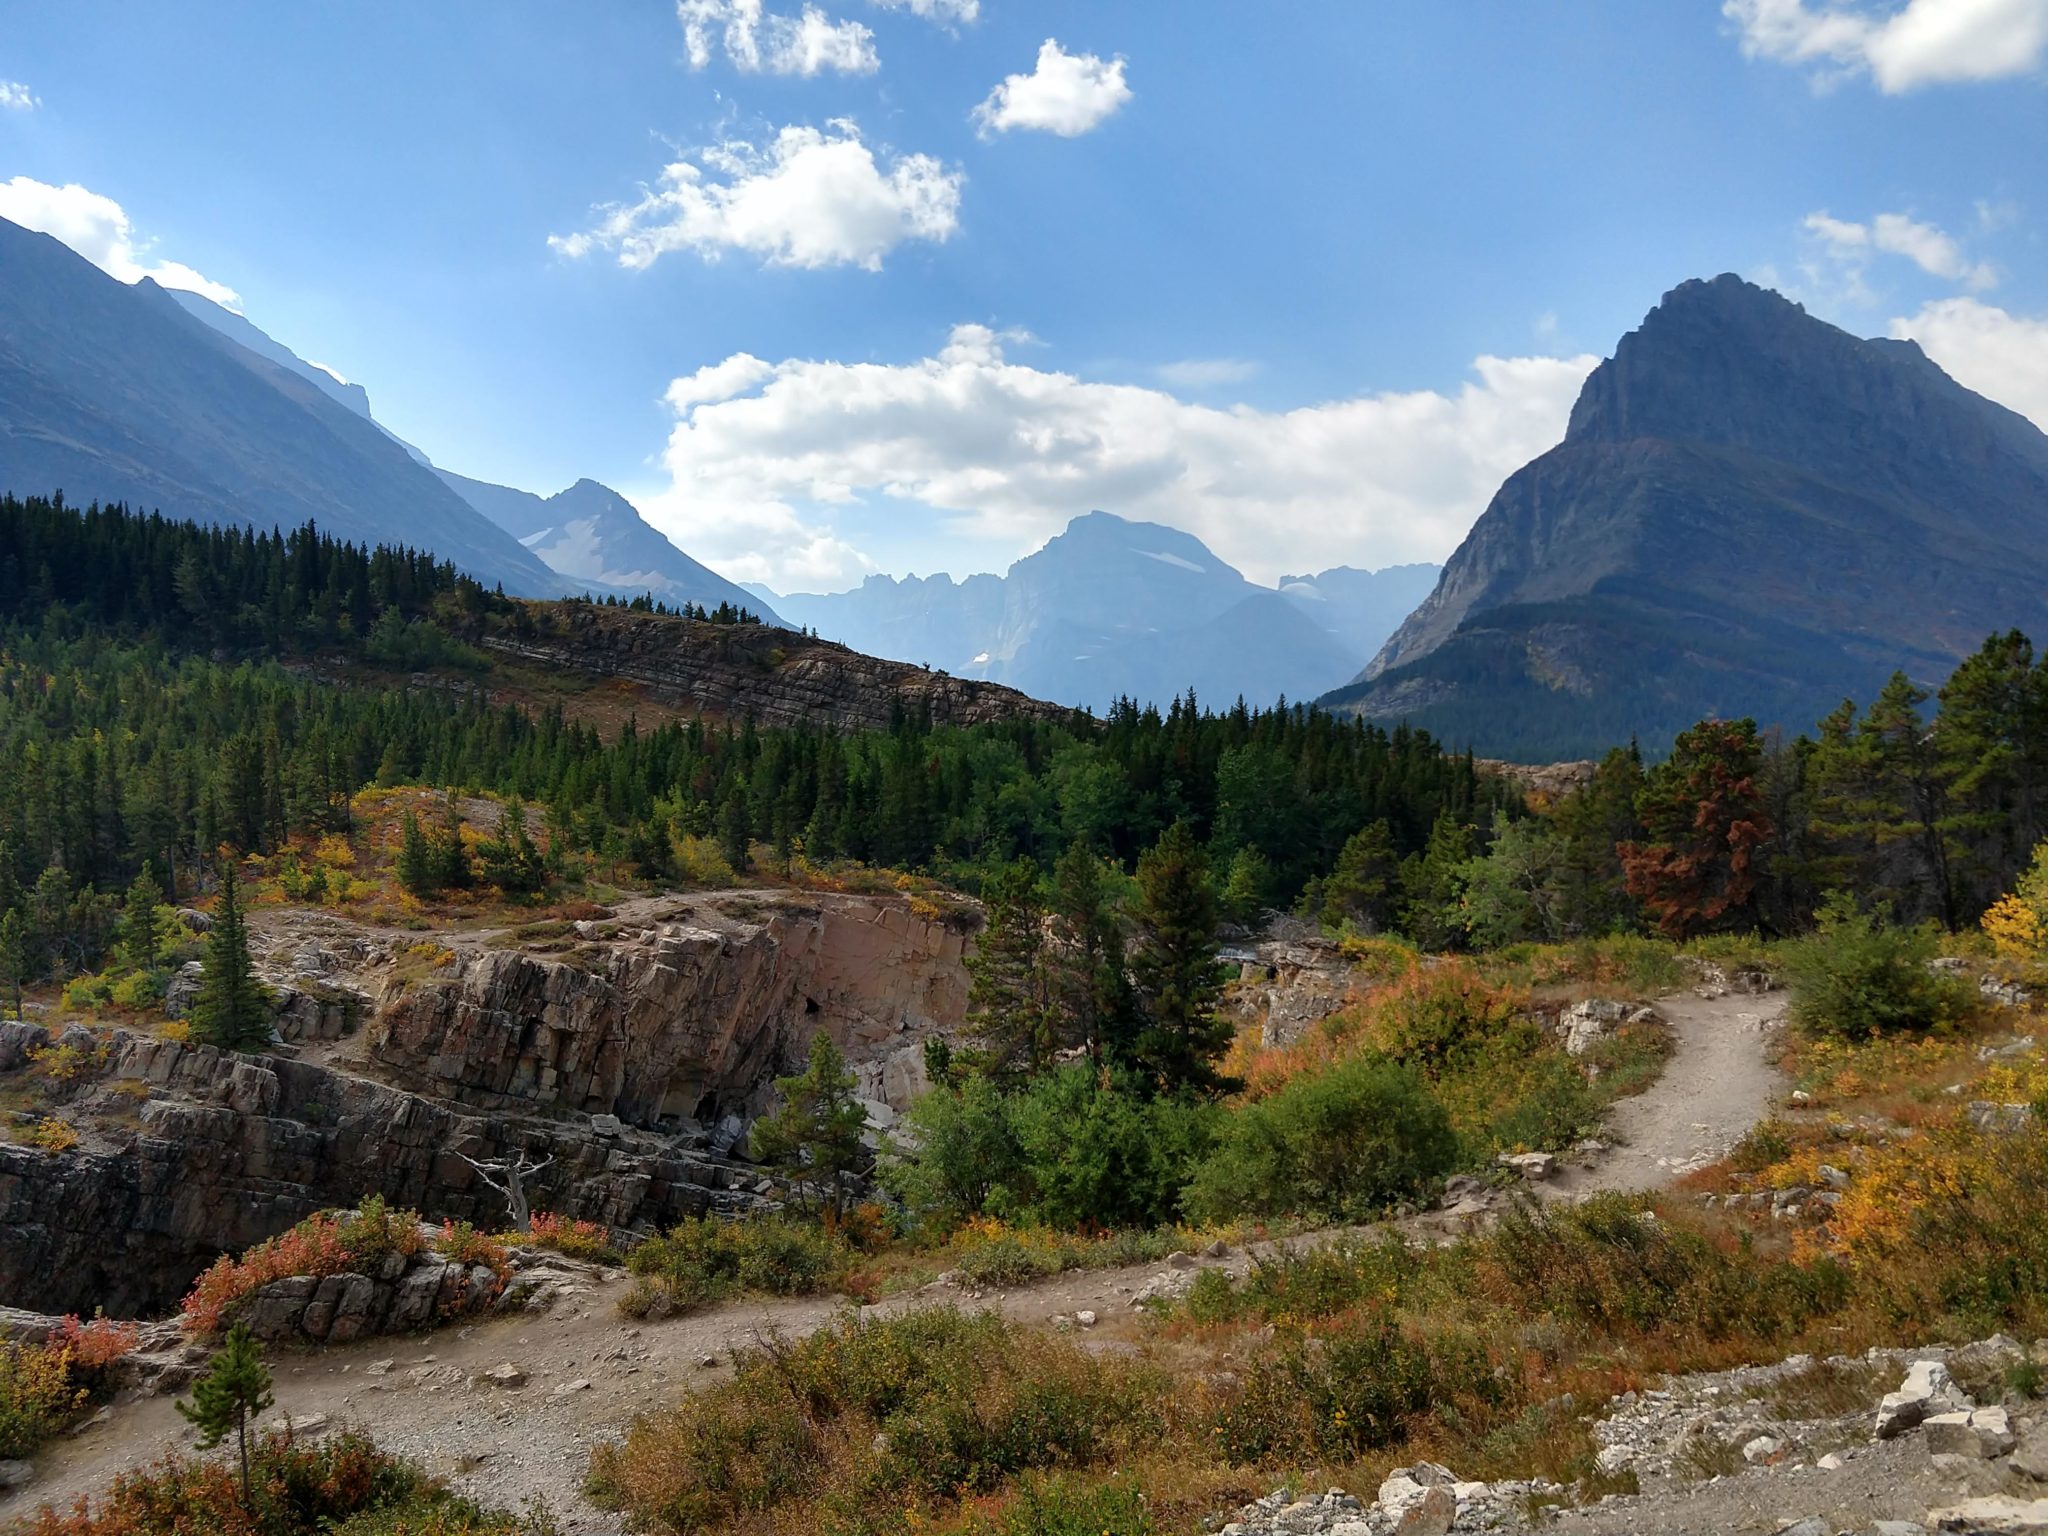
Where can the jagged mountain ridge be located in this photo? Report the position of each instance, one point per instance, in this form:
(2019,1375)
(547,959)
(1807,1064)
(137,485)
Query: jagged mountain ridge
(590,533)
(116,392)
(1112,608)
(1752,513)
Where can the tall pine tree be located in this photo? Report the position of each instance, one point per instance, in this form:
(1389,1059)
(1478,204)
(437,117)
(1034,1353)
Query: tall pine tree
(232,1009)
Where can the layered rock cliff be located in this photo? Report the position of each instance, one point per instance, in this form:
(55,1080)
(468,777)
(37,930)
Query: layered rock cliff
(774,677)
(632,1051)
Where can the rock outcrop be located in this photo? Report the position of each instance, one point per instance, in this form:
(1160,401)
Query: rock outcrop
(227,1150)
(678,1023)
(774,677)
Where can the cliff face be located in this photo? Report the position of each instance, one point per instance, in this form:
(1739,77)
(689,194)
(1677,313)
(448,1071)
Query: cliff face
(633,1052)
(684,1021)
(1752,513)
(226,1151)
(774,677)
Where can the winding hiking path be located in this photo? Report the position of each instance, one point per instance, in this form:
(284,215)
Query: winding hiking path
(591,1372)
(1721,1079)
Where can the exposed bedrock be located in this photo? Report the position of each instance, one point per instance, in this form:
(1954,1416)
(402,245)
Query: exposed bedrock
(684,1021)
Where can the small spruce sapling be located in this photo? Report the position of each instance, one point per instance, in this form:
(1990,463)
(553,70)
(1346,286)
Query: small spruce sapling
(235,1388)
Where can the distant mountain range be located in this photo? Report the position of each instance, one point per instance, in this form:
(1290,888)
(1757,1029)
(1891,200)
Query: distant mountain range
(1111,608)
(593,535)
(1752,513)
(131,392)
(115,392)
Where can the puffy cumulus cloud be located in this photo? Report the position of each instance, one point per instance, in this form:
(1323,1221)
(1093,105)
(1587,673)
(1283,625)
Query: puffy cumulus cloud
(1010,453)
(808,198)
(1984,348)
(1924,42)
(944,12)
(807,44)
(16,97)
(98,229)
(1929,247)
(1067,94)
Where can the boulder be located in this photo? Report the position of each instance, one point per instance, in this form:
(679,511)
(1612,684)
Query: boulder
(1996,1516)
(1533,1166)
(507,1377)
(2031,1459)
(1433,1514)
(1928,1389)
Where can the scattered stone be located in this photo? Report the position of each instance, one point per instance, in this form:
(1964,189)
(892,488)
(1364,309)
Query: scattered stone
(1812,1525)
(1832,1462)
(1762,1449)
(1431,1515)
(300,1426)
(1993,1517)
(1897,1528)
(2031,1459)
(605,1125)
(1533,1166)
(708,1361)
(1218,1249)
(16,1474)
(508,1377)
(1085,1318)
(580,1384)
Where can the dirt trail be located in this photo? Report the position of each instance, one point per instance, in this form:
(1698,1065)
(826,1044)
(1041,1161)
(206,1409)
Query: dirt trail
(1720,1081)
(590,1372)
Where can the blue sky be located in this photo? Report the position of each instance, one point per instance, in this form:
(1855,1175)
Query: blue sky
(1306,279)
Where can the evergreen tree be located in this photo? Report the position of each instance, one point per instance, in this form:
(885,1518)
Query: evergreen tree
(1009,994)
(450,860)
(415,865)
(1175,966)
(234,1389)
(1091,983)
(1247,885)
(511,861)
(146,926)
(1432,884)
(1360,890)
(1703,822)
(13,956)
(232,1010)
(816,1134)
(734,833)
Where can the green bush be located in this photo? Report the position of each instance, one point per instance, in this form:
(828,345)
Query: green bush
(1856,976)
(1099,1150)
(707,1259)
(958,1155)
(1065,1506)
(1341,1144)
(873,1417)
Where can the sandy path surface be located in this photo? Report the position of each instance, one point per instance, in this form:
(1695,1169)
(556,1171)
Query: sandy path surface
(1720,1081)
(590,1371)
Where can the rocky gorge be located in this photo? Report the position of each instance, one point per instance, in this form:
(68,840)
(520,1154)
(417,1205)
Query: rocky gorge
(627,1055)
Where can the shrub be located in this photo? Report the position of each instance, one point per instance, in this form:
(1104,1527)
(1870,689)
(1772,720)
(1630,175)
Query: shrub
(461,1243)
(1100,1151)
(706,1259)
(138,990)
(565,1235)
(879,1421)
(1857,976)
(1436,1013)
(341,1486)
(1340,1144)
(1065,1506)
(37,1396)
(53,1135)
(958,1156)
(329,1243)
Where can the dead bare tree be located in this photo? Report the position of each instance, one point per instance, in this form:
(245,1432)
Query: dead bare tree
(514,1171)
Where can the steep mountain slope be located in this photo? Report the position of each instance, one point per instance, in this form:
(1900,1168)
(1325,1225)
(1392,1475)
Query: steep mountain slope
(1752,513)
(113,392)
(590,533)
(244,333)
(1106,609)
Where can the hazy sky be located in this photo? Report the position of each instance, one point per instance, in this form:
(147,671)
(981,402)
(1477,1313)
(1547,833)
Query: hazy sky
(902,285)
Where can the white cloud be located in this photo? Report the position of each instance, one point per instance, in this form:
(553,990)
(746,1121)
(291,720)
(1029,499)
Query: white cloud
(16,97)
(98,229)
(1984,348)
(1205,372)
(808,198)
(754,40)
(762,454)
(1923,42)
(944,12)
(1067,94)
(1930,248)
